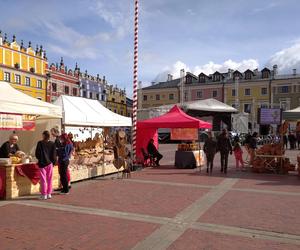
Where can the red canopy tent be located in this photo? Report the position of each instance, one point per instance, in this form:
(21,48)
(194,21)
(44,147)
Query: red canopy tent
(175,118)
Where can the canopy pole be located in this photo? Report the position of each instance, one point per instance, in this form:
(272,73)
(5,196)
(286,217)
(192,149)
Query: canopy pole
(135,78)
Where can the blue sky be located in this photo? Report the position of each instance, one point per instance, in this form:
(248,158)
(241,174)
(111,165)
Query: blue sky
(198,35)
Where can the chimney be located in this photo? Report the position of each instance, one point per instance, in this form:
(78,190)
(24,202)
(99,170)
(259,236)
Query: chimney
(255,72)
(275,70)
(294,72)
(230,71)
(170,77)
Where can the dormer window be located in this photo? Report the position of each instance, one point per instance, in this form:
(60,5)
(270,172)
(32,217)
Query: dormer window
(265,74)
(188,80)
(216,78)
(248,75)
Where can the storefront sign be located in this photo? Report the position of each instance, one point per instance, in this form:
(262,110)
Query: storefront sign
(188,134)
(11,122)
(17,122)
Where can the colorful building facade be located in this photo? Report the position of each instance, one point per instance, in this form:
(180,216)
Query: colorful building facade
(93,87)
(23,67)
(116,100)
(129,107)
(62,81)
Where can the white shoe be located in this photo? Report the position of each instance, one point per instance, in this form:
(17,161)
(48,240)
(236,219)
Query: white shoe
(43,197)
(49,196)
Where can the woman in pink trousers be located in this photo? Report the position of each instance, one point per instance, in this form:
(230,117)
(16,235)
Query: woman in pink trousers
(46,154)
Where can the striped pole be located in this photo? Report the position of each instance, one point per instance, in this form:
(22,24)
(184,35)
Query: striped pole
(135,78)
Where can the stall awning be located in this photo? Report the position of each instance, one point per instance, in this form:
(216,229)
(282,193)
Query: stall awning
(78,111)
(292,115)
(209,105)
(15,102)
(175,118)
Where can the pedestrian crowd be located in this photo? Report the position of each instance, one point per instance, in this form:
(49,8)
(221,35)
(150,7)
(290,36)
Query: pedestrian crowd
(50,153)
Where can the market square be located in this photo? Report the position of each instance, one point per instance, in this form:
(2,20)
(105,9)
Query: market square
(142,125)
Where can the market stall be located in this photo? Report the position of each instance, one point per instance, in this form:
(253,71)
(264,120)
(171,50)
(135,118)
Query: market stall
(26,117)
(177,120)
(94,130)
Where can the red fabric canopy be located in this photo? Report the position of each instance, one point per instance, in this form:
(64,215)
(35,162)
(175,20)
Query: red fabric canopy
(175,118)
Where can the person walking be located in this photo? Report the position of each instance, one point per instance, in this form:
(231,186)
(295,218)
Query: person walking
(253,147)
(64,154)
(238,153)
(224,146)
(210,149)
(46,154)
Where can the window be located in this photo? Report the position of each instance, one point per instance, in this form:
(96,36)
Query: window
(264,91)
(145,98)
(113,99)
(102,97)
(97,96)
(121,112)
(247,92)
(285,104)
(248,76)
(66,90)
(186,96)
(215,93)
(115,110)
(171,96)
(7,76)
(18,79)
(283,89)
(91,95)
(233,92)
(247,108)
(265,74)
(54,87)
(264,105)
(74,92)
(39,84)
(157,97)
(27,81)
(84,93)
(202,79)
(199,94)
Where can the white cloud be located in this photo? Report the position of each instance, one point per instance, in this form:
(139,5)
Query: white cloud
(266,7)
(287,59)
(116,15)
(73,44)
(208,68)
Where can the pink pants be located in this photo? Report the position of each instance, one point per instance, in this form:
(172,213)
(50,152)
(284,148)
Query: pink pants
(238,158)
(46,179)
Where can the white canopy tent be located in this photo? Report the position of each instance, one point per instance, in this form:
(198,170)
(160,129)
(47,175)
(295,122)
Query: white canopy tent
(210,105)
(78,111)
(15,102)
(292,115)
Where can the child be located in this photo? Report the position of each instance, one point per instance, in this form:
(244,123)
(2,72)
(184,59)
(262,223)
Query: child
(238,153)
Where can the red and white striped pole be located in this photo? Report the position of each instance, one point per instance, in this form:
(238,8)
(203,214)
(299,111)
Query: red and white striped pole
(135,78)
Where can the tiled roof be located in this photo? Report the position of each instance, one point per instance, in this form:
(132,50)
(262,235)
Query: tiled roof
(170,84)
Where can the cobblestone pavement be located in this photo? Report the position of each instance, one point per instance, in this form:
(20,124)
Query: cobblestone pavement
(161,208)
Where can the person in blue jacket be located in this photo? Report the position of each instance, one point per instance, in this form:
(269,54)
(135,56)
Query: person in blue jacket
(64,153)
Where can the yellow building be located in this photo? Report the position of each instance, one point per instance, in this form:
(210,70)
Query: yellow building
(249,91)
(24,68)
(116,100)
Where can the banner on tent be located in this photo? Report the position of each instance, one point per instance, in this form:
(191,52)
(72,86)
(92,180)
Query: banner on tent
(11,121)
(17,122)
(29,122)
(188,134)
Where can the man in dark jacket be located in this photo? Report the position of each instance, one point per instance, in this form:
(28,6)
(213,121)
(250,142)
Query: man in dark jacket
(210,149)
(224,146)
(152,150)
(10,147)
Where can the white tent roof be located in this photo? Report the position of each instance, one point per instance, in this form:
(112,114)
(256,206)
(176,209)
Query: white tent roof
(211,105)
(14,101)
(78,111)
(293,114)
